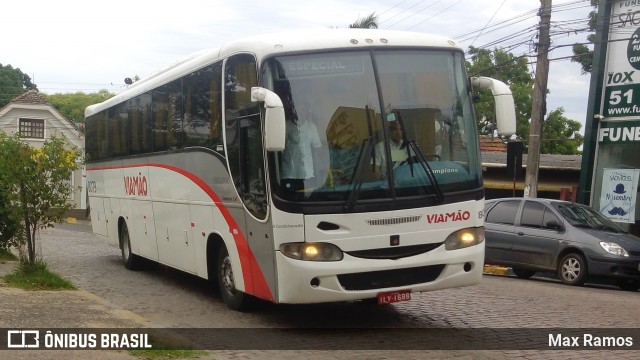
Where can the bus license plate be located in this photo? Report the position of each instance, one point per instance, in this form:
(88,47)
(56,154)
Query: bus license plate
(394,296)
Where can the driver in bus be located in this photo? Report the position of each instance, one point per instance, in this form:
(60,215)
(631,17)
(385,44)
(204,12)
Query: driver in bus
(398,151)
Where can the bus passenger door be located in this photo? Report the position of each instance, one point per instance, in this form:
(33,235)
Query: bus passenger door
(245,153)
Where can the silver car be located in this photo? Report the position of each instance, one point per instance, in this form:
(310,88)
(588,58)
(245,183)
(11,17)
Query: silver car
(531,235)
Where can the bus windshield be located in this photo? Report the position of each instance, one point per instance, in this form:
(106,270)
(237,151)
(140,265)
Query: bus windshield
(381,125)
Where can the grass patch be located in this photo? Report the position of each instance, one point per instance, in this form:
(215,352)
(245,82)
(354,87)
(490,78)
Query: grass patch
(37,277)
(159,354)
(6,255)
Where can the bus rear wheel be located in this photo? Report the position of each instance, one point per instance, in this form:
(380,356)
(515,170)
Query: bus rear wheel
(233,298)
(131,261)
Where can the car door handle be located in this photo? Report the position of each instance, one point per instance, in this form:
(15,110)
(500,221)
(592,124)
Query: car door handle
(520,233)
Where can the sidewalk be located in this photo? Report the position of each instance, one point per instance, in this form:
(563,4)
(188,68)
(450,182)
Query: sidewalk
(22,309)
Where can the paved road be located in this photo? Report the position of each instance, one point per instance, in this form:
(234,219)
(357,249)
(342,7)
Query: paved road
(166,298)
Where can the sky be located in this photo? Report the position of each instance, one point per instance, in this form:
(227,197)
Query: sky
(71,45)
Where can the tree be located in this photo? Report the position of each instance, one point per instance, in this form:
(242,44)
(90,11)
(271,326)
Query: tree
(582,54)
(8,224)
(560,135)
(13,83)
(368,22)
(511,70)
(72,105)
(36,186)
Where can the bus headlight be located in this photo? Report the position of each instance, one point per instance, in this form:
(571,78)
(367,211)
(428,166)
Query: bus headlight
(464,238)
(310,251)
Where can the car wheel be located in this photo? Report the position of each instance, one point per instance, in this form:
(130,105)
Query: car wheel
(131,261)
(572,269)
(233,298)
(523,274)
(628,285)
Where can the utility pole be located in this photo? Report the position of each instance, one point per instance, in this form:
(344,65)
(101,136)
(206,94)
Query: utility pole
(539,106)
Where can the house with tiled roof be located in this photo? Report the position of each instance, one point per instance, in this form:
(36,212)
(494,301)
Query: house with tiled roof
(558,175)
(33,116)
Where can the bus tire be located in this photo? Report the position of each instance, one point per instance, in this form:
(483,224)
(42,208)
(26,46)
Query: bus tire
(232,297)
(130,260)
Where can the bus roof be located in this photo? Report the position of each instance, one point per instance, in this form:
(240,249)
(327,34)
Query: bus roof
(265,45)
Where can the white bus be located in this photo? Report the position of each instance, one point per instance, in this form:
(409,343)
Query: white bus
(306,167)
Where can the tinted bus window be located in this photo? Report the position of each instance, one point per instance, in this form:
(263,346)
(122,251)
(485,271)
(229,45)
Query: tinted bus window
(202,107)
(167,117)
(118,138)
(139,109)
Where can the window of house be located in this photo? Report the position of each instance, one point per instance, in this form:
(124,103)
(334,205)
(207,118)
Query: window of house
(31,128)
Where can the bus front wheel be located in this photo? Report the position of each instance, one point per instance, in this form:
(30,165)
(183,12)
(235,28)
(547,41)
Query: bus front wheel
(233,298)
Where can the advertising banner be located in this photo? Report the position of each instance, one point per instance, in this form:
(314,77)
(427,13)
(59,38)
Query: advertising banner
(618,194)
(621,95)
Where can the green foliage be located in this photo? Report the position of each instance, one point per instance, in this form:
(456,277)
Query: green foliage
(72,105)
(511,70)
(6,255)
(560,135)
(8,224)
(582,54)
(37,276)
(368,22)
(37,186)
(13,83)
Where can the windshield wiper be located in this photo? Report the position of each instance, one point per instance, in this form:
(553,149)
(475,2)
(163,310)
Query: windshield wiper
(423,161)
(363,159)
(427,169)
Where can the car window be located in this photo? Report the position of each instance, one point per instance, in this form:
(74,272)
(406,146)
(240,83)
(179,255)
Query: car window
(548,217)
(504,212)
(487,206)
(585,217)
(532,214)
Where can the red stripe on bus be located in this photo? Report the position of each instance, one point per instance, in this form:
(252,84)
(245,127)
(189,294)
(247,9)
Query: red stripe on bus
(255,285)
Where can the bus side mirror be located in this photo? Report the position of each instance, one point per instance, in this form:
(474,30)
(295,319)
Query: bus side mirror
(505,107)
(274,120)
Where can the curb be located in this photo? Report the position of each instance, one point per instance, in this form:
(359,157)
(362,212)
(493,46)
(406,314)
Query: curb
(498,270)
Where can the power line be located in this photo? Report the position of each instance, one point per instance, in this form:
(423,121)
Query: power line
(414,14)
(394,6)
(409,8)
(485,26)
(436,14)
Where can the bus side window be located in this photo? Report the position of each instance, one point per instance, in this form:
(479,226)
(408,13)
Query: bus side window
(203,107)
(139,109)
(167,117)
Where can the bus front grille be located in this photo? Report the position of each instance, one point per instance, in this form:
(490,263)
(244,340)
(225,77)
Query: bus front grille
(394,252)
(390,278)
(393,221)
